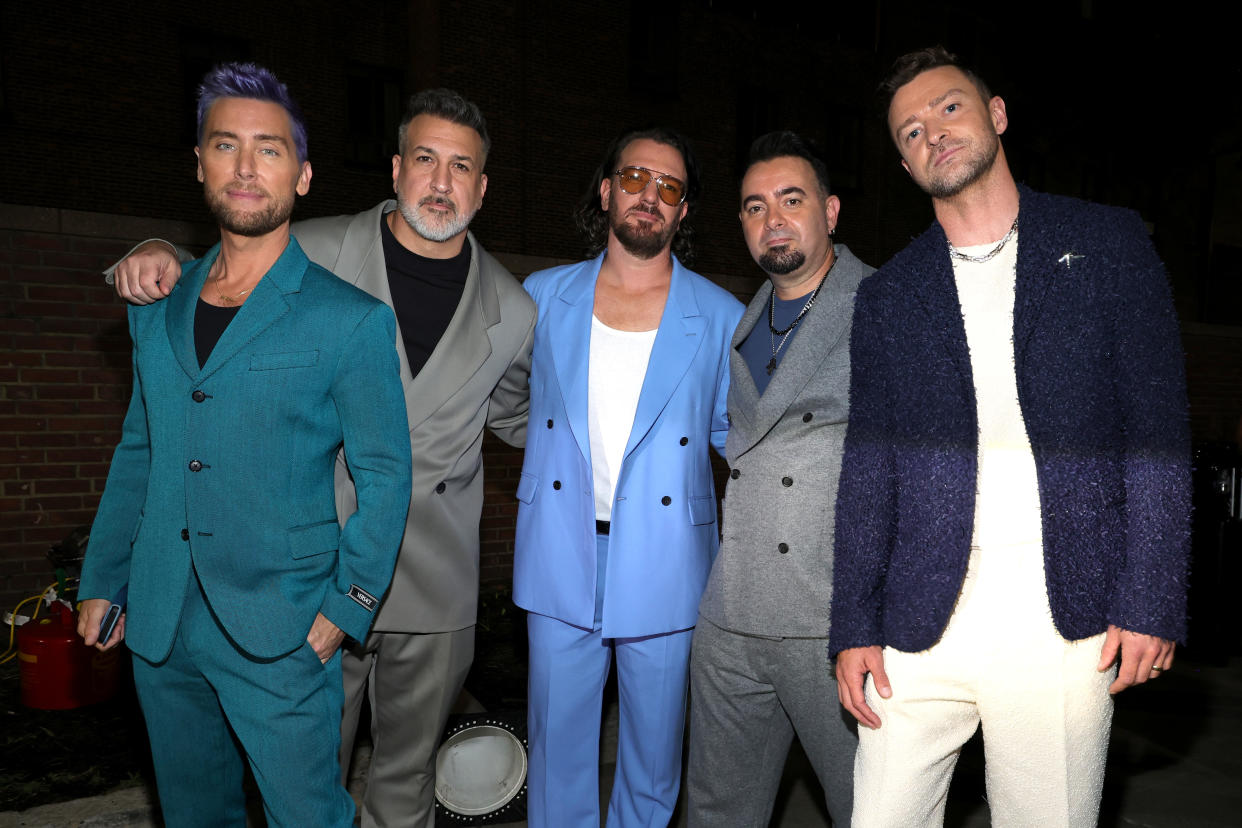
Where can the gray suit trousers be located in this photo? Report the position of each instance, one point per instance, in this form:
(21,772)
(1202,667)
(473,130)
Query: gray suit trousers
(748,698)
(404,672)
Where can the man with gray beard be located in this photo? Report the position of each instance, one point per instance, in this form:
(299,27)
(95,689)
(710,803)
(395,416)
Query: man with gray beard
(464,337)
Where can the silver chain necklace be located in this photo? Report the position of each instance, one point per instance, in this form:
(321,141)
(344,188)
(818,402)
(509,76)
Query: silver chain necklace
(773,333)
(991,254)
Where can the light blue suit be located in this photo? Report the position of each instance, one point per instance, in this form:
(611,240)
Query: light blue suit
(220,514)
(659,552)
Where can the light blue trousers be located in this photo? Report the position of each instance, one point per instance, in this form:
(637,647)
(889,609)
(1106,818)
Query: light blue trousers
(568,668)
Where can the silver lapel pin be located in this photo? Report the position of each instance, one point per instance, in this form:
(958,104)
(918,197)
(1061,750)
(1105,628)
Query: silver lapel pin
(1068,258)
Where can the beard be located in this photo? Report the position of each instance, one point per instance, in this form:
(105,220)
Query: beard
(781,260)
(643,239)
(430,227)
(952,182)
(246,222)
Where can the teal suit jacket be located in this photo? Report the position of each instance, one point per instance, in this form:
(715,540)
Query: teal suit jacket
(228,468)
(664,535)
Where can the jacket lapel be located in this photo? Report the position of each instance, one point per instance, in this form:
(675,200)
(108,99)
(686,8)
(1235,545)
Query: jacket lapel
(817,336)
(743,393)
(179,315)
(1038,268)
(265,305)
(462,349)
(935,291)
(677,341)
(569,330)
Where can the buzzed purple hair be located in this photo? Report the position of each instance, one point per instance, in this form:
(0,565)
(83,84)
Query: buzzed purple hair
(249,80)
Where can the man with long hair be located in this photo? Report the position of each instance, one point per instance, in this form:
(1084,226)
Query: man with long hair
(617,509)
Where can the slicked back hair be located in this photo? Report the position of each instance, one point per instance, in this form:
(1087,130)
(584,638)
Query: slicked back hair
(592,220)
(912,64)
(249,80)
(452,107)
(786,144)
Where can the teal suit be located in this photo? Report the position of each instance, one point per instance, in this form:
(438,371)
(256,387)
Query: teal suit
(220,511)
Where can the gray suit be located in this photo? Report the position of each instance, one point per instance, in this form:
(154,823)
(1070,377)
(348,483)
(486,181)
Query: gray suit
(759,669)
(422,641)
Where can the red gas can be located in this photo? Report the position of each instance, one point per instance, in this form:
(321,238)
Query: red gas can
(58,671)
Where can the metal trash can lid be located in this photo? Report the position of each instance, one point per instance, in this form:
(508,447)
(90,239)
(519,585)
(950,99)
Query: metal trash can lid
(479,769)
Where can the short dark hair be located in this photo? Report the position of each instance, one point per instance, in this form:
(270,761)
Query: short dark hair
(786,144)
(249,80)
(449,105)
(912,64)
(592,220)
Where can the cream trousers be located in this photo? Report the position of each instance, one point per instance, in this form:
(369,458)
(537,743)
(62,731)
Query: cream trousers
(1044,708)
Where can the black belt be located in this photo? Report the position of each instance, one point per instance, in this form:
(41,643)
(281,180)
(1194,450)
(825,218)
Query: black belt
(601,527)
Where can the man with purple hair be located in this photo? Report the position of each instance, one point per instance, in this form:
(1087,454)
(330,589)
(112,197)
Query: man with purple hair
(464,328)
(219,515)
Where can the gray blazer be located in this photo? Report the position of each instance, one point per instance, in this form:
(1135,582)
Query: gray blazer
(476,377)
(773,575)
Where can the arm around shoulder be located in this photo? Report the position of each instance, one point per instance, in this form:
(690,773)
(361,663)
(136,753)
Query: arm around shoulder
(148,271)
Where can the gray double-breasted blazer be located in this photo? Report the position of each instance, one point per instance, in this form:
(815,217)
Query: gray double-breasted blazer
(773,574)
(476,378)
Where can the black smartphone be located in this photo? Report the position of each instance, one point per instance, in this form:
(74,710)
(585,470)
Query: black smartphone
(108,624)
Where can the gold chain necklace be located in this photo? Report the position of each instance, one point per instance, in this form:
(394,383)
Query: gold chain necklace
(226,298)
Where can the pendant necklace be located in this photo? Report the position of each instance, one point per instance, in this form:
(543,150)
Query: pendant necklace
(773,333)
(228,299)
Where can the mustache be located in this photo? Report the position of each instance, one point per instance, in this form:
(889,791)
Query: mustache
(438,200)
(652,212)
(252,189)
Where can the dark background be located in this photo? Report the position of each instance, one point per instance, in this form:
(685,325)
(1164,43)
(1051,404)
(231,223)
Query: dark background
(1107,101)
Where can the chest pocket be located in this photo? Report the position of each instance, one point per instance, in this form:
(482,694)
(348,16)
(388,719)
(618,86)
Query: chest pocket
(292,359)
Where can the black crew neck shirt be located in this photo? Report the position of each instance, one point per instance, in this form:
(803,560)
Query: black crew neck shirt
(425,294)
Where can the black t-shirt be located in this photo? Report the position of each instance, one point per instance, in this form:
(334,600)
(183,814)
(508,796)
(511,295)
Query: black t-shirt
(425,294)
(209,324)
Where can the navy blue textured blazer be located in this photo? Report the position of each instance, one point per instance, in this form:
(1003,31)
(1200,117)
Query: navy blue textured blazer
(1101,386)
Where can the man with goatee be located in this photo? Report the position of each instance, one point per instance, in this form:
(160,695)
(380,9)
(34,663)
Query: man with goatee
(759,672)
(617,509)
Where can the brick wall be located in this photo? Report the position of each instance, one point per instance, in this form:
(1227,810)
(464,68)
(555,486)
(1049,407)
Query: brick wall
(64,385)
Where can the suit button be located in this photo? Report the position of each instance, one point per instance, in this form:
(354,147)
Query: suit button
(666,500)
(684,440)
(198,396)
(806,418)
(549,423)
(782,548)
(735,474)
(440,487)
(195,465)
(556,484)
(185,534)
(786,482)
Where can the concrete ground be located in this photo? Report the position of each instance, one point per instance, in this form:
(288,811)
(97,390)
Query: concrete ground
(1174,762)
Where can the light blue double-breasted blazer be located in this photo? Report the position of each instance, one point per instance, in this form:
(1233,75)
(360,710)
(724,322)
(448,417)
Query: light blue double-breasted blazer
(664,532)
(229,467)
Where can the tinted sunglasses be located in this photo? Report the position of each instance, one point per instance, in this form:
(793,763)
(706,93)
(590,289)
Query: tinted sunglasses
(634,180)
